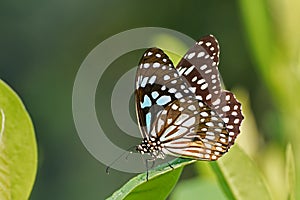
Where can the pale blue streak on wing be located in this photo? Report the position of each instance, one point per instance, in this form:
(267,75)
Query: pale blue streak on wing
(163,100)
(154,94)
(146,103)
(148,121)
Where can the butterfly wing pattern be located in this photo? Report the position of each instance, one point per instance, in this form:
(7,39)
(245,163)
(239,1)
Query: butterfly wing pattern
(183,112)
(200,68)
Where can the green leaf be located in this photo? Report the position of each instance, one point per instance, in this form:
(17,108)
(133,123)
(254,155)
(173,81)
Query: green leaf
(196,188)
(290,172)
(259,30)
(239,177)
(18,151)
(161,182)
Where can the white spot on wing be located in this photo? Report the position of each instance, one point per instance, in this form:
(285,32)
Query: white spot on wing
(208,44)
(210,124)
(192,89)
(226,120)
(192,107)
(152,79)
(146,65)
(180,71)
(178,95)
(189,70)
(208,71)
(191,55)
(194,79)
(208,97)
(144,81)
(226,108)
(166,77)
(200,54)
(174,107)
(204,114)
(203,67)
(204,86)
(189,122)
(172,90)
(156,65)
(200,81)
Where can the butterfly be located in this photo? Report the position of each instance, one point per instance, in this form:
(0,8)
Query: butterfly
(183,111)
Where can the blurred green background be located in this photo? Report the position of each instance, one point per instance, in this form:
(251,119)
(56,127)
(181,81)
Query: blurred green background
(43,44)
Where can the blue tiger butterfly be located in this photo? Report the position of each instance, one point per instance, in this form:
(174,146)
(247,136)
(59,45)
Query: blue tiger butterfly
(183,111)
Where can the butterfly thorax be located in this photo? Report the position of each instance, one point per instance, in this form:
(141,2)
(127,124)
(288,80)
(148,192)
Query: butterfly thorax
(152,146)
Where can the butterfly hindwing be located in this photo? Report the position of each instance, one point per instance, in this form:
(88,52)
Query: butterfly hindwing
(199,66)
(229,109)
(196,131)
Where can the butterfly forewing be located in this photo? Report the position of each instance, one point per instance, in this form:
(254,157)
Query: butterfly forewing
(157,85)
(199,66)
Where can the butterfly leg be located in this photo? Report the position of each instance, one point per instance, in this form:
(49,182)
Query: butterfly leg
(147,165)
(170,166)
(147,160)
(129,153)
(153,162)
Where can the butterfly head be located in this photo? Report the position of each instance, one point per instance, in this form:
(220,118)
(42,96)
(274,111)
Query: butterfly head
(152,146)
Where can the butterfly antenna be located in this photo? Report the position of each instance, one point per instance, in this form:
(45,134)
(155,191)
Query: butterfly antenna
(147,166)
(129,153)
(107,170)
(2,124)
